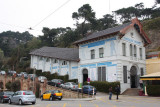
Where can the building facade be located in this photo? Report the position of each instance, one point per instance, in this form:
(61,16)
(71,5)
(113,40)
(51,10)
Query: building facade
(115,54)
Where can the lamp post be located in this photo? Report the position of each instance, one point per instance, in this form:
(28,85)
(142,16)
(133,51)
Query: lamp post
(34,79)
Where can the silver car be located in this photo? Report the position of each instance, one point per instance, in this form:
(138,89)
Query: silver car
(22,97)
(70,85)
(41,78)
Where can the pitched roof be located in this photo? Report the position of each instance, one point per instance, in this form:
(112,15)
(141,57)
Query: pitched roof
(70,54)
(103,33)
(121,30)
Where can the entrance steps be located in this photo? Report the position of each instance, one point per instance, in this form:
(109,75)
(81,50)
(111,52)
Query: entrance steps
(131,92)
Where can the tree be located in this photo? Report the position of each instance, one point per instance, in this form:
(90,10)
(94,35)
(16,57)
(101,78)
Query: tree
(86,14)
(106,22)
(158,1)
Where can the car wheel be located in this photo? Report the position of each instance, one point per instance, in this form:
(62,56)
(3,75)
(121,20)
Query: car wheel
(51,99)
(33,102)
(2,100)
(20,102)
(9,101)
(60,98)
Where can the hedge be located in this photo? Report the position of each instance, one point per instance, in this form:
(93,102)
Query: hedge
(153,90)
(50,76)
(103,86)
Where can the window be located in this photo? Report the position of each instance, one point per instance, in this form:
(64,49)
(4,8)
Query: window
(135,51)
(55,61)
(41,58)
(93,54)
(101,52)
(131,50)
(47,60)
(101,73)
(123,49)
(64,63)
(125,74)
(142,73)
(140,52)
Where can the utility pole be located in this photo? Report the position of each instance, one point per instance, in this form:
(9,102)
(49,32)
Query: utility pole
(34,79)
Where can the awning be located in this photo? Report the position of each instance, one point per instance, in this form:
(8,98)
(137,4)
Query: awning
(152,76)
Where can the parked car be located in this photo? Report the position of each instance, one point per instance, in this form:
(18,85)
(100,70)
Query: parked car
(11,73)
(4,96)
(41,78)
(2,72)
(70,86)
(51,95)
(23,73)
(88,89)
(32,76)
(55,82)
(22,97)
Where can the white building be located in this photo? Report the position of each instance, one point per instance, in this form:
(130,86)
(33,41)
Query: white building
(114,54)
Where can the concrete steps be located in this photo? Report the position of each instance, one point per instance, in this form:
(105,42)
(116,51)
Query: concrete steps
(131,92)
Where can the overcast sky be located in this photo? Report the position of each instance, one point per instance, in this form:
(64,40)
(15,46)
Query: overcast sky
(19,15)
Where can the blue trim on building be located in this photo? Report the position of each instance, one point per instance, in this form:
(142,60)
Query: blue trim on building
(54,67)
(64,66)
(88,65)
(132,41)
(98,43)
(76,67)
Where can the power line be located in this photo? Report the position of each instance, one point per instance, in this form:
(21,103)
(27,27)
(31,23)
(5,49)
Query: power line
(51,13)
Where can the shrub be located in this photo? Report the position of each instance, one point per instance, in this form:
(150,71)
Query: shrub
(153,90)
(103,86)
(16,86)
(50,76)
(8,85)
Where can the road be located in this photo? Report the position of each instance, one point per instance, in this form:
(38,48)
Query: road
(124,101)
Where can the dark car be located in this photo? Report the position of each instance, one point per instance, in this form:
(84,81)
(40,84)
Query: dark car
(51,95)
(55,82)
(4,96)
(11,73)
(88,89)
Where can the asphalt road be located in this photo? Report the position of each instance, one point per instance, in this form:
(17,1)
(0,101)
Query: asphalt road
(101,101)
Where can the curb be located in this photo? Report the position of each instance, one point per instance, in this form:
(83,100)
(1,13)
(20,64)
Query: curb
(79,99)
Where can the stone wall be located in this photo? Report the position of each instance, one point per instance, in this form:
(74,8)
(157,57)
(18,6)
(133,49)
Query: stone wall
(28,84)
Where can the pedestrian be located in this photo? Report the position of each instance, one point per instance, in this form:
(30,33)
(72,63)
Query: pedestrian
(141,83)
(117,89)
(110,93)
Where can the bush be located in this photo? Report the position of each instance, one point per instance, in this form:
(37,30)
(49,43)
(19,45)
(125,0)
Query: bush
(8,85)
(50,76)
(16,86)
(103,86)
(153,90)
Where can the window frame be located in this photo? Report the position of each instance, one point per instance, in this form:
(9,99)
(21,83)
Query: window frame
(101,54)
(123,49)
(92,54)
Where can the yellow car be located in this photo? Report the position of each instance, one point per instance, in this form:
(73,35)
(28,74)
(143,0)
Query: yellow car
(51,95)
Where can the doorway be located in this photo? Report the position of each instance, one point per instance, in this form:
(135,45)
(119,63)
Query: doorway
(85,75)
(133,77)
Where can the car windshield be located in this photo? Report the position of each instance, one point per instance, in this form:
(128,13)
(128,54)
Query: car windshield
(8,93)
(92,87)
(28,93)
(56,91)
(73,83)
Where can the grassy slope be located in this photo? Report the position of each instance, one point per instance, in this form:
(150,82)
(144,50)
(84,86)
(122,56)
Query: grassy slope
(152,29)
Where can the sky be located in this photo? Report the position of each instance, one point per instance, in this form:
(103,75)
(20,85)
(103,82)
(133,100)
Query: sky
(20,15)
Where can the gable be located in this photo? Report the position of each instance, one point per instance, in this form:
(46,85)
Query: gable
(133,36)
